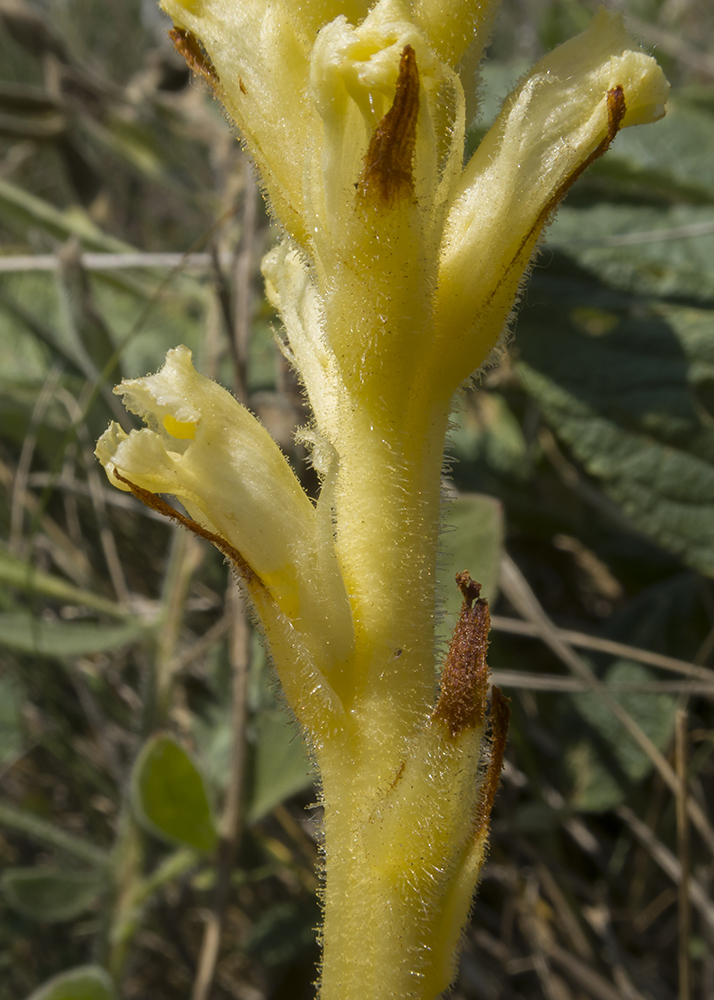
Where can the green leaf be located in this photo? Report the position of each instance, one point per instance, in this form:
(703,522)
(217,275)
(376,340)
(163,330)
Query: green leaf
(86,982)
(629,247)
(629,391)
(283,933)
(497,79)
(29,211)
(213,734)
(133,144)
(170,797)
(51,895)
(18,399)
(560,20)
(606,766)
(177,318)
(24,632)
(28,304)
(487,430)
(22,575)
(47,833)
(91,331)
(26,357)
(279,766)
(473,541)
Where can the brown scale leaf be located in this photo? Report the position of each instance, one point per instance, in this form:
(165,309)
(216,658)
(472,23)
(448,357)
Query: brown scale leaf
(500,717)
(388,172)
(464,681)
(616,111)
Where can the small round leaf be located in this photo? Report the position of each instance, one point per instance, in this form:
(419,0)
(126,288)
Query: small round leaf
(170,797)
(86,982)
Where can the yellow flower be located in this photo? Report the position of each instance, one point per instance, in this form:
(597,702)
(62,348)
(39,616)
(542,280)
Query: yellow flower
(370,202)
(395,280)
(201,446)
(559,119)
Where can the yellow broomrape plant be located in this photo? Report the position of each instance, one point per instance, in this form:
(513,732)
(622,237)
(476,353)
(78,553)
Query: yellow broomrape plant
(395,279)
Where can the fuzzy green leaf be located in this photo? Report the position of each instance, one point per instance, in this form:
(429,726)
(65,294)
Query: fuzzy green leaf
(607,764)
(169,796)
(86,982)
(26,633)
(49,894)
(652,251)
(629,392)
(676,159)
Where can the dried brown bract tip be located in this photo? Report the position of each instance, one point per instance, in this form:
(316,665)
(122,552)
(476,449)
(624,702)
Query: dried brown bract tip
(196,59)
(500,717)
(470,590)
(388,172)
(616,111)
(464,681)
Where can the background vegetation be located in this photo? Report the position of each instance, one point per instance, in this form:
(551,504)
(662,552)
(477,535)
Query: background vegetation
(156,814)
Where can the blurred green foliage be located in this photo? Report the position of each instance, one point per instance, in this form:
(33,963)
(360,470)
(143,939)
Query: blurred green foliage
(587,454)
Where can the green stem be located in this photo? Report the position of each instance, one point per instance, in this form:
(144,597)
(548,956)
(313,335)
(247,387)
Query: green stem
(128,859)
(133,891)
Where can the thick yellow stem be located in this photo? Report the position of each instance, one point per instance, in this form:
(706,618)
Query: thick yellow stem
(387,536)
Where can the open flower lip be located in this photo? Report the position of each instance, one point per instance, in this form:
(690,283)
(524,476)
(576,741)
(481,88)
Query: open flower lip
(201,446)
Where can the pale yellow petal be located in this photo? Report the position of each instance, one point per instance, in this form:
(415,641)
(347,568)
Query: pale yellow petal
(550,127)
(260,54)
(455,26)
(201,446)
(375,259)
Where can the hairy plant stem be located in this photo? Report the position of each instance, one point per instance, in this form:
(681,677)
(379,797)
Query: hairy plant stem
(387,537)
(386,522)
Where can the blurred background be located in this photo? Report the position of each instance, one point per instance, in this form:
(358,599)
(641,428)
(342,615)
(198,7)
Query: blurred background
(157,817)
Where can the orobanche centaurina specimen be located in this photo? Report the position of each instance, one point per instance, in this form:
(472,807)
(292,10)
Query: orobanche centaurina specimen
(395,278)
